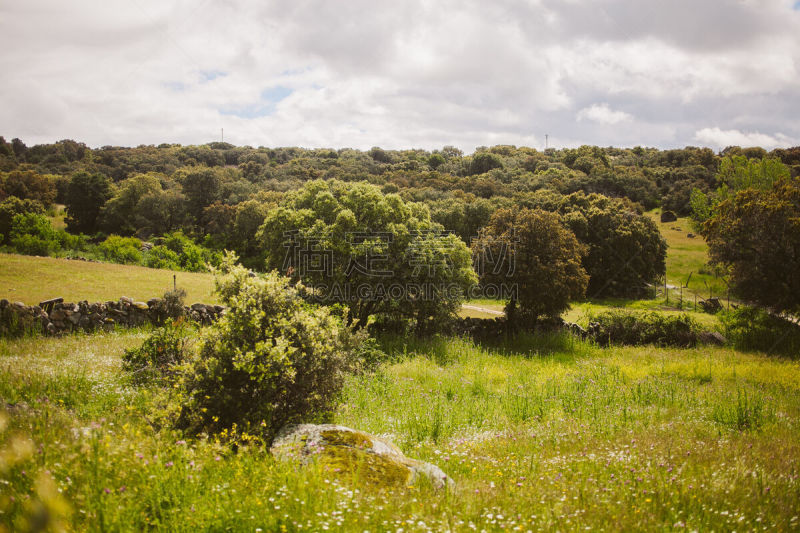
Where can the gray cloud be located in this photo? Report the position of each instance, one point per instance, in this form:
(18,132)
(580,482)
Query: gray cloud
(402,74)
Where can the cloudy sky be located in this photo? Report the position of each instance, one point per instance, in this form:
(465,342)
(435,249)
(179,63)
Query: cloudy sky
(402,74)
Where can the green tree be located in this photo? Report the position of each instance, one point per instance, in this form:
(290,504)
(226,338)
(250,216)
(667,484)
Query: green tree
(160,212)
(736,173)
(86,196)
(624,250)
(755,233)
(202,188)
(484,162)
(28,185)
(374,253)
(119,213)
(534,251)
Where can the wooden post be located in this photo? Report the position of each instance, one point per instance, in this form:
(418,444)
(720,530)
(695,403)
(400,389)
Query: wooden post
(174,282)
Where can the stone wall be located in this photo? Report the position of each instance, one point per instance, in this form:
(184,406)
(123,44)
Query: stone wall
(53,317)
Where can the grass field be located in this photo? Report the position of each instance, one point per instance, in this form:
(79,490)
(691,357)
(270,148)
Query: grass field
(688,256)
(546,434)
(33,279)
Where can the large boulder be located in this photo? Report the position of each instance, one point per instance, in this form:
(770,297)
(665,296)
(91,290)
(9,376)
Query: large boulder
(343,450)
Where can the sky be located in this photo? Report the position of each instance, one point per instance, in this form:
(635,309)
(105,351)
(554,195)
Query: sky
(402,73)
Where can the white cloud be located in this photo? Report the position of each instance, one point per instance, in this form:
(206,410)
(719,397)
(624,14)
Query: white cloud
(398,74)
(603,114)
(719,138)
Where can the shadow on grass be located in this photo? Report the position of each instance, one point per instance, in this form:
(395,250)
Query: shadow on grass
(561,346)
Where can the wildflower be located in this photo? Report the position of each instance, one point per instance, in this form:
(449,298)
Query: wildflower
(107,490)
(168,464)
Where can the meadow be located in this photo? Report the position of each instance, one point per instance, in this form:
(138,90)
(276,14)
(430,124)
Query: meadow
(33,279)
(538,432)
(553,433)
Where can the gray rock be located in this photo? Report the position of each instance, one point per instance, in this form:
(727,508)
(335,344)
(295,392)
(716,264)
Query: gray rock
(343,450)
(712,337)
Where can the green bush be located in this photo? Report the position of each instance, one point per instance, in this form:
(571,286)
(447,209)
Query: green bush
(32,234)
(10,208)
(751,328)
(162,257)
(192,257)
(271,359)
(126,250)
(621,327)
(162,352)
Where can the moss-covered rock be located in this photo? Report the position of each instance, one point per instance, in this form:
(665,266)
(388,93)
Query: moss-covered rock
(365,457)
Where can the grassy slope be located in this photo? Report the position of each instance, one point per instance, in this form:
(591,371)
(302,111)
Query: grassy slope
(33,279)
(546,434)
(687,256)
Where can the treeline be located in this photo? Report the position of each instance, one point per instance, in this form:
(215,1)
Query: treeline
(193,202)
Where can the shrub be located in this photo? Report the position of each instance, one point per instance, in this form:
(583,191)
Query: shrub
(621,327)
(751,328)
(170,306)
(13,206)
(162,352)
(271,359)
(191,257)
(162,257)
(126,250)
(32,234)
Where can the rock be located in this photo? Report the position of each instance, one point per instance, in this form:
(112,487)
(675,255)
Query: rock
(712,305)
(126,300)
(141,306)
(668,216)
(341,449)
(690,235)
(712,337)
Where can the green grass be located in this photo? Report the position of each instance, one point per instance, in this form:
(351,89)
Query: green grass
(33,279)
(543,433)
(687,256)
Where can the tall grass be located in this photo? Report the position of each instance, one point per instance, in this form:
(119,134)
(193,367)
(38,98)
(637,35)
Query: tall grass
(541,433)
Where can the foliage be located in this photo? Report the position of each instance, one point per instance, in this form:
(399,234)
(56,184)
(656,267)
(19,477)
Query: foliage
(161,353)
(192,257)
(162,257)
(737,173)
(271,359)
(124,250)
(754,329)
(532,251)
(32,234)
(375,253)
(756,234)
(635,329)
(85,198)
(120,212)
(10,208)
(624,250)
(28,185)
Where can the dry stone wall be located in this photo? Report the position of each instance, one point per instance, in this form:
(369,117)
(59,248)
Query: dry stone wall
(53,317)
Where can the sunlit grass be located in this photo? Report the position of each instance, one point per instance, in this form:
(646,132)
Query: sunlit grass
(33,279)
(540,433)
